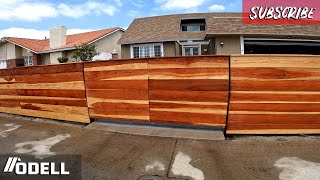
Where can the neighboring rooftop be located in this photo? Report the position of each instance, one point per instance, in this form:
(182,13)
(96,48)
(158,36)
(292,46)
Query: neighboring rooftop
(43,45)
(167,28)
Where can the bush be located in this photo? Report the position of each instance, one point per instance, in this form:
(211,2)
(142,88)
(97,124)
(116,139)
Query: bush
(62,59)
(85,52)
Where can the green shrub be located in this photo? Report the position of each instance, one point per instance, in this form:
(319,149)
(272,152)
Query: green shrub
(85,52)
(62,59)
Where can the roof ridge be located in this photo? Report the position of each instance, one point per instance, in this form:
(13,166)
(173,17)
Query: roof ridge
(95,31)
(190,14)
(115,28)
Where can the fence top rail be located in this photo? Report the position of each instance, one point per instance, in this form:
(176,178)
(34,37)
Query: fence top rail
(273,55)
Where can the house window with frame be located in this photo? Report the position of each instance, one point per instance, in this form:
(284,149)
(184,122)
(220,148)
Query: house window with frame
(147,50)
(28,60)
(191,50)
(193,25)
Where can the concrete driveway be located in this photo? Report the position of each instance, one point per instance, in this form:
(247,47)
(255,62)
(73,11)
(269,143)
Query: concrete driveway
(115,156)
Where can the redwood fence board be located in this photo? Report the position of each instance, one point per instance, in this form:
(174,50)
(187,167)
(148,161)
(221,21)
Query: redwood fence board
(118,90)
(274,94)
(55,91)
(189,90)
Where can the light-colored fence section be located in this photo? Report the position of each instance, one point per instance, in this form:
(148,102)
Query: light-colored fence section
(55,91)
(274,94)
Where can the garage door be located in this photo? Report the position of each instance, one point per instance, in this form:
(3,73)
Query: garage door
(265,46)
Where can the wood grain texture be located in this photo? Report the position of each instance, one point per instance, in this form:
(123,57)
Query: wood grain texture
(118,90)
(54,91)
(189,90)
(273,94)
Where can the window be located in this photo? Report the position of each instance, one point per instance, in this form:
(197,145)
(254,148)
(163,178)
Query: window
(191,28)
(191,50)
(146,50)
(193,25)
(28,60)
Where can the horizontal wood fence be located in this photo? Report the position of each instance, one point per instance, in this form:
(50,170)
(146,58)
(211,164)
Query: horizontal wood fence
(55,91)
(263,94)
(181,90)
(274,95)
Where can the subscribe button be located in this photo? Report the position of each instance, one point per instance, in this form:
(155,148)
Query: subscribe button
(281,12)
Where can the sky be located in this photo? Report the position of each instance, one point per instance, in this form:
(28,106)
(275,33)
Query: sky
(34,18)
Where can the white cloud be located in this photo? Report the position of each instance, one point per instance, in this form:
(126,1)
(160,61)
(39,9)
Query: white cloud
(34,33)
(25,10)
(180,4)
(80,10)
(137,3)
(217,7)
(34,10)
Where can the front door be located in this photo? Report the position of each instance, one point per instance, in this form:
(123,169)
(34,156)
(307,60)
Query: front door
(191,50)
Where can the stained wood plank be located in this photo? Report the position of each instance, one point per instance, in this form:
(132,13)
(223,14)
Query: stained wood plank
(113,65)
(189,73)
(118,94)
(141,74)
(76,85)
(188,118)
(121,84)
(276,73)
(52,93)
(46,114)
(49,69)
(275,85)
(276,107)
(120,114)
(194,96)
(122,105)
(8,92)
(263,61)
(275,131)
(50,78)
(275,97)
(81,102)
(189,62)
(190,85)
(267,119)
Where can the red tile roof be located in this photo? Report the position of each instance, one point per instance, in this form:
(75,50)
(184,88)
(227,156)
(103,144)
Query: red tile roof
(37,45)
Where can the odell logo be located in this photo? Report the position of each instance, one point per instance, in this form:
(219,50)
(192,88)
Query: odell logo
(15,165)
(281,12)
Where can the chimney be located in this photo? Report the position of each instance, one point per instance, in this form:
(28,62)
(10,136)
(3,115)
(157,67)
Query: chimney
(58,37)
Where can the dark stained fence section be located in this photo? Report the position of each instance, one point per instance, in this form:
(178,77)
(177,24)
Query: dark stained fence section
(189,90)
(55,91)
(273,94)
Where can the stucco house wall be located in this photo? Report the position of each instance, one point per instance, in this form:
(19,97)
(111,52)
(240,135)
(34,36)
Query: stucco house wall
(3,53)
(231,45)
(25,52)
(109,43)
(55,55)
(11,51)
(45,58)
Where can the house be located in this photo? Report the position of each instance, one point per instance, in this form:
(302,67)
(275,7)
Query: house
(214,33)
(27,52)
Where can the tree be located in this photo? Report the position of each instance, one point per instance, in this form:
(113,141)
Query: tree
(85,52)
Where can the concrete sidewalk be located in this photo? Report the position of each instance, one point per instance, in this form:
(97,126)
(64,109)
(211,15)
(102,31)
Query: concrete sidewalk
(118,156)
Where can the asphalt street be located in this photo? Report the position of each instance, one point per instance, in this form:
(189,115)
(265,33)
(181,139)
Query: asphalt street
(116,156)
